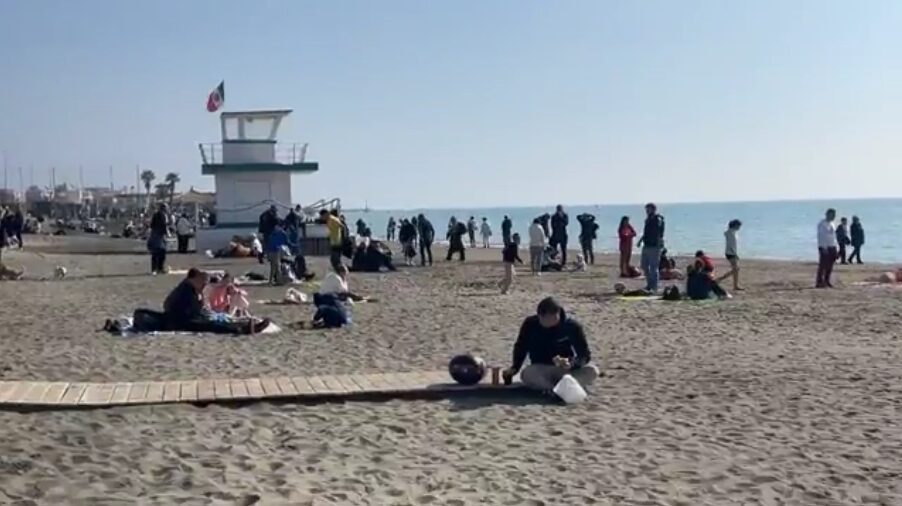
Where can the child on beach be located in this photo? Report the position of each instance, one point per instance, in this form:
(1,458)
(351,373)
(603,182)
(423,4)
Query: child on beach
(485,230)
(626,234)
(510,255)
(731,237)
(226,297)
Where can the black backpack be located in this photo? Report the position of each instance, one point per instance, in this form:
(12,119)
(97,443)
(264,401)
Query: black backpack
(672,293)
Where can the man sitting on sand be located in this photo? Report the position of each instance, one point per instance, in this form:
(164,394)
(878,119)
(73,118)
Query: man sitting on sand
(184,310)
(556,345)
(336,283)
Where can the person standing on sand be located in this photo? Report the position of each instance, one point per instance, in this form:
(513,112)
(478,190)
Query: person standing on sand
(842,239)
(485,230)
(587,234)
(651,242)
(857,232)
(508,256)
(471,231)
(559,222)
(536,247)
(625,234)
(333,224)
(731,236)
(427,236)
(18,224)
(156,241)
(390,229)
(183,232)
(506,226)
(268,221)
(826,247)
(277,239)
(456,231)
(293,229)
(556,345)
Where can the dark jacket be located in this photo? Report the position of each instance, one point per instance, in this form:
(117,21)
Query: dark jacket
(559,224)
(268,222)
(842,235)
(184,304)
(426,230)
(407,233)
(456,234)
(857,234)
(588,227)
(158,225)
(292,222)
(506,227)
(567,339)
(510,253)
(653,235)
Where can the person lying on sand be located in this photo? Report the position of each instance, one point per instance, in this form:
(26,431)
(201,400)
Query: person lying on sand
(889,277)
(556,345)
(336,283)
(184,310)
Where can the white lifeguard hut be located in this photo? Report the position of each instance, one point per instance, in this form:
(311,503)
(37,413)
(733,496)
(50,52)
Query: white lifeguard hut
(252,171)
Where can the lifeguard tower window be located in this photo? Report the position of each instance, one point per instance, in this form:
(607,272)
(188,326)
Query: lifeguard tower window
(255,126)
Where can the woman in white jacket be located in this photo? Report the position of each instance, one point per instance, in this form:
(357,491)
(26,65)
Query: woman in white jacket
(486,231)
(536,246)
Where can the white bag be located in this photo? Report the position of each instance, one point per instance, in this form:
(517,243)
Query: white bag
(570,390)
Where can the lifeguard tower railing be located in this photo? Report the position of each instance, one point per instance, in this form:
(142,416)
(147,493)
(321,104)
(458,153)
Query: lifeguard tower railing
(284,153)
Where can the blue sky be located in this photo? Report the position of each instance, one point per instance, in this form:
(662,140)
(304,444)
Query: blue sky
(475,103)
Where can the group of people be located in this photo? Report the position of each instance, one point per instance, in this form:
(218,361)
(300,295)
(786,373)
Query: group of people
(832,241)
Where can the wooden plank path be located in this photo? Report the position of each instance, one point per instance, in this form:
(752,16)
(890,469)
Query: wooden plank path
(46,394)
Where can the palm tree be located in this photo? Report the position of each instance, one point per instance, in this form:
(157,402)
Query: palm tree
(147,178)
(171,179)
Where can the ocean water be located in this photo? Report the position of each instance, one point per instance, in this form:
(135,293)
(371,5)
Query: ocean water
(785,230)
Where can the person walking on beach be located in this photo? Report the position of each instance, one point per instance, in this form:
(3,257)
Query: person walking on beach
(857,239)
(427,236)
(731,237)
(333,225)
(625,234)
(651,242)
(536,246)
(826,247)
(456,232)
(156,241)
(18,226)
(183,232)
(471,231)
(485,230)
(588,232)
(842,239)
(559,222)
(508,256)
(390,229)
(506,226)
(407,235)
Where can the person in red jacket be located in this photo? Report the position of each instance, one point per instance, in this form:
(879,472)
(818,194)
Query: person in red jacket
(626,233)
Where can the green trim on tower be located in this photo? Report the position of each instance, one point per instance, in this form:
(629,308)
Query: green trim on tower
(208,169)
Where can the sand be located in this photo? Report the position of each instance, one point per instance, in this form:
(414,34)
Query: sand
(784,395)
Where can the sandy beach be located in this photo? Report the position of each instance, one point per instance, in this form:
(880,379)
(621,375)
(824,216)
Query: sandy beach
(783,395)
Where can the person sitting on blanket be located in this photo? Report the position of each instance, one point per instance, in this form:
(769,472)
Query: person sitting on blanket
(550,261)
(226,297)
(336,283)
(371,256)
(184,310)
(556,345)
(701,281)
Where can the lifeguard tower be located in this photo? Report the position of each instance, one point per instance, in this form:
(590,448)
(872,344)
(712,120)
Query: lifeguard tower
(252,171)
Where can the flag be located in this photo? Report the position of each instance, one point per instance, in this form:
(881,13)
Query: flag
(216,98)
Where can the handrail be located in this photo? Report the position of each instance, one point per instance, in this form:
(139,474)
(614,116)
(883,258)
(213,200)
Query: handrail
(283,153)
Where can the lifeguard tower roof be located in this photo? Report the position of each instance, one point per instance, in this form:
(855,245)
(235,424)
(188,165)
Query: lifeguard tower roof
(249,144)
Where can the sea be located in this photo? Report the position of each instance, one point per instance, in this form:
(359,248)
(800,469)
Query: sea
(781,230)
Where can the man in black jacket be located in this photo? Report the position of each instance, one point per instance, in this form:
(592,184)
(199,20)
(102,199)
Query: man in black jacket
(427,236)
(556,345)
(857,239)
(652,242)
(559,222)
(506,226)
(184,310)
(268,221)
(587,235)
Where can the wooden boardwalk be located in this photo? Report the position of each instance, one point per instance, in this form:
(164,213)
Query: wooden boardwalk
(42,394)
